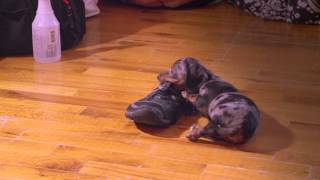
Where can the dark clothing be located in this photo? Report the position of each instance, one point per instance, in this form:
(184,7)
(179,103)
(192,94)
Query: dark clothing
(292,11)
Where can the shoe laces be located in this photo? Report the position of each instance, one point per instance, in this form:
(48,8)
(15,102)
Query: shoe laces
(166,92)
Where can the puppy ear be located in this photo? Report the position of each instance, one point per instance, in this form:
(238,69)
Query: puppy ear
(165,77)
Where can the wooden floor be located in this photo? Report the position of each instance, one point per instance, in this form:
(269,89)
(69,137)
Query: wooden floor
(66,120)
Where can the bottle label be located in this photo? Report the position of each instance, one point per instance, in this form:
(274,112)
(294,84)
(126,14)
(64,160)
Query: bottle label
(52,48)
(46,42)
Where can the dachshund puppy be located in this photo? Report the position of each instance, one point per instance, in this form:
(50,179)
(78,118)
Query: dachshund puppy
(232,116)
(187,74)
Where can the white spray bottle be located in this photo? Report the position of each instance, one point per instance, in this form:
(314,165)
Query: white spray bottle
(46,34)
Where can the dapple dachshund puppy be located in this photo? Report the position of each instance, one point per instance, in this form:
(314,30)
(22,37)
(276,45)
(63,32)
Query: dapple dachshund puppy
(232,117)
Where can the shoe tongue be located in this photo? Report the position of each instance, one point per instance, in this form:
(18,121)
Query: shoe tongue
(166,86)
(167,90)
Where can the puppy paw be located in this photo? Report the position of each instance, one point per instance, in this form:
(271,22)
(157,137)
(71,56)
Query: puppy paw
(195,133)
(192,137)
(196,127)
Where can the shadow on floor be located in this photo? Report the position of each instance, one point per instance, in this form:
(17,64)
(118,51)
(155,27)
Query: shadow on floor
(175,131)
(270,137)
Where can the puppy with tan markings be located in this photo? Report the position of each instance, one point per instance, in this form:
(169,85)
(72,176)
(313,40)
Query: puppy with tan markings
(232,116)
(187,74)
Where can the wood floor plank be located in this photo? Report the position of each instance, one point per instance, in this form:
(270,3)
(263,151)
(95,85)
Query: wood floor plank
(24,103)
(98,141)
(76,80)
(126,159)
(229,158)
(66,120)
(298,157)
(316,172)
(29,87)
(10,172)
(122,171)
(243,173)
(17,145)
(208,176)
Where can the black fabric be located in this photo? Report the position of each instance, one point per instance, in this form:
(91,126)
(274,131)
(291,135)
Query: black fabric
(16,18)
(292,11)
(197,3)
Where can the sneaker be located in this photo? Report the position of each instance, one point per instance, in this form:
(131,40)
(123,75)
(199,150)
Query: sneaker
(161,108)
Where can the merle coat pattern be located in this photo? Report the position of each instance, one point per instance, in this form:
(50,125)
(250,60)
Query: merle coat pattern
(232,116)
